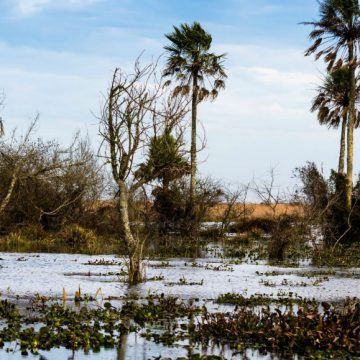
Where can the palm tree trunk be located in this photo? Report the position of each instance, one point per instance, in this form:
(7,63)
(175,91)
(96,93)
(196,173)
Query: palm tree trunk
(341,168)
(133,246)
(350,130)
(193,140)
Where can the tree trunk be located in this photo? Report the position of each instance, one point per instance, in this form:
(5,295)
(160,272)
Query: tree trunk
(10,191)
(133,246)
(341,168)
(193,141)
(350,130)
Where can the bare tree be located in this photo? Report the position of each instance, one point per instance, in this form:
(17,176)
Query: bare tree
(41,180)
(281,231)
(236,207)
(269,193)
(134,111)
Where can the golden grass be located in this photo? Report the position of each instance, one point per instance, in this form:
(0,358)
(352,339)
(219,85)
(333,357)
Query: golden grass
(256,210)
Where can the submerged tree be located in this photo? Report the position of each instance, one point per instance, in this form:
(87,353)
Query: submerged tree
(197,71)
(332,104)
(132,114)
(336,39)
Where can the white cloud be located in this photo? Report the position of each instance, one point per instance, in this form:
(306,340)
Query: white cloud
(30,7)
(277,77)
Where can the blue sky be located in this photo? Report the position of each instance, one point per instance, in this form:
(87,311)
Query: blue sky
(57,57)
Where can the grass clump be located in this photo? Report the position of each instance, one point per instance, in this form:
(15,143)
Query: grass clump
(77,236)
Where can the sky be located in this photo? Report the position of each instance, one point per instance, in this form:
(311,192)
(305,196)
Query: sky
(57,58)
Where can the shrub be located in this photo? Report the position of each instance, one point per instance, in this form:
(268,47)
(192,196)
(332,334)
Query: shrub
(77,236)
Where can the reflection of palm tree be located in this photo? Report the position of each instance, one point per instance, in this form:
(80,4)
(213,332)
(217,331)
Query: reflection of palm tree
(197,71)
(333,106)
(336,38)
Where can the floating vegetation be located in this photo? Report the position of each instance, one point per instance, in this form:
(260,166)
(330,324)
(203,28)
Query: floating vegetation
(308,274)
(159,265)
(310,332)
(220,267)
(156,278)
(184,281)
(262,299)
(286,282)
(159,308)
(53,325)
(90,274)
(56,325)
(103,262)
(45,325)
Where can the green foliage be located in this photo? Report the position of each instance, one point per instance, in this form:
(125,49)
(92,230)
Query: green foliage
(261,300)
(310,332)
(325,201)
(172,205)
(337,28)
(164,160)
(189,58)
(332,101)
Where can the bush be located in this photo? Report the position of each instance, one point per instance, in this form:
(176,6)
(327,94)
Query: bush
(77,236)
(33,232)
(326,205)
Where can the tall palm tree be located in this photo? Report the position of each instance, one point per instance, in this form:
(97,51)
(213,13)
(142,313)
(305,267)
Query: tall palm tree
(197,71)
(332,104)
(336,38)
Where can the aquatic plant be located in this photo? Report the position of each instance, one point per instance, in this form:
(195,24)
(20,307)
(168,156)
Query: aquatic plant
(308,332)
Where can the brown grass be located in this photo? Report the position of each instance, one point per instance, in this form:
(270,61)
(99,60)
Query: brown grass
(257,210)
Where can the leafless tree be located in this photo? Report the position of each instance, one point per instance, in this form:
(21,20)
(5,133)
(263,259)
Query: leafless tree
(282,231)
(136,108)
(42,180)
(236,206)
(269,193)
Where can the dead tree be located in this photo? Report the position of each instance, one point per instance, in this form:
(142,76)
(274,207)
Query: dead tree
(134,112)
(236,206)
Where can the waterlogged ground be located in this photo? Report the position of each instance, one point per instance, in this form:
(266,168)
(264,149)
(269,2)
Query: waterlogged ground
(204,279)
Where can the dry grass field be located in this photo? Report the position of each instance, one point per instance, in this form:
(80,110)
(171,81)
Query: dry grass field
(256,210)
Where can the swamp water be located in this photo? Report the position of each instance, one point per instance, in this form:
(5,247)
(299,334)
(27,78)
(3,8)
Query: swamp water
(24,275)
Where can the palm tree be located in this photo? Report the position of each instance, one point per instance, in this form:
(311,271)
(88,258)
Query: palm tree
(165,161)
(197,71)
(332,104)
(336,39)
